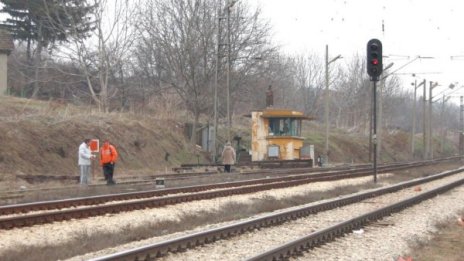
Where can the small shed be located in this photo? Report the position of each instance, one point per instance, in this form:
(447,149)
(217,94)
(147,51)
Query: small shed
(276,134)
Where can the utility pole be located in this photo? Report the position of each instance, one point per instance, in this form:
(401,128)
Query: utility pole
(229,122)
(220,11)
(424,122)
(461,127)
(429,136)
(413,131)
(424,105)
(413,128)
(379,120)
(326,104)
(443,129)
(216,76)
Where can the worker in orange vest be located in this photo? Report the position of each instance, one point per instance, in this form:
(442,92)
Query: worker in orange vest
(108,158)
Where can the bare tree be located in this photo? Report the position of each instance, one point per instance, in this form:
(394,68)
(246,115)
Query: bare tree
(391,93)
(310,81)
(178,36)
(178,40)
(101,58)
(251,48)
(352,100)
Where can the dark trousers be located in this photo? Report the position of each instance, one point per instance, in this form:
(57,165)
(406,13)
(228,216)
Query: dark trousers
(227,168)
(108,170)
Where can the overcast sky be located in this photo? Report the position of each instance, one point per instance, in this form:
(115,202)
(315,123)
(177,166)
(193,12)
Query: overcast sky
(407,28)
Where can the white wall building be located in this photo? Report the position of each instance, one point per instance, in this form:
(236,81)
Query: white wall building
(6,46)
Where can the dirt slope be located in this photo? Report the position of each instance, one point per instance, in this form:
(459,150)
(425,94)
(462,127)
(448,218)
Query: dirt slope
(43,138)
(40,137)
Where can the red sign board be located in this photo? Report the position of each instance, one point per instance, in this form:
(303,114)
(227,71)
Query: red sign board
(94,145)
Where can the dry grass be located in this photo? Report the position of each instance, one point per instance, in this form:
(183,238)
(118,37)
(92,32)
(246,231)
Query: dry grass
(447,244)
(43,137)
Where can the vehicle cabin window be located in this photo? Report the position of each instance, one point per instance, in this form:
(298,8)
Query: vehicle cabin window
(284,127)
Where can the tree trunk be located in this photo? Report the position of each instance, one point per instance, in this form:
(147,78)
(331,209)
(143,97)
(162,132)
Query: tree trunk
(37,64)
(193,135)
(103,72)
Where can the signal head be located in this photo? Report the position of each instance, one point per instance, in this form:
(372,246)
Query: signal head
(374,59)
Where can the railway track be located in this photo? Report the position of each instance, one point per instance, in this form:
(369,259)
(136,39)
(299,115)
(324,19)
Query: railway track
(187,171)
(25,195)
(171,181)
(22,215)
(320,235)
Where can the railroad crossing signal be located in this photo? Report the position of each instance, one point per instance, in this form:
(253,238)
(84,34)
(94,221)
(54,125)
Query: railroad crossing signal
(374,59)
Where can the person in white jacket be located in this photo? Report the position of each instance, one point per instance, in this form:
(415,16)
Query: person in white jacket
(84,162)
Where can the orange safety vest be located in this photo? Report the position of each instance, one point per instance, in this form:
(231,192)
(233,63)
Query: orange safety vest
(108,154)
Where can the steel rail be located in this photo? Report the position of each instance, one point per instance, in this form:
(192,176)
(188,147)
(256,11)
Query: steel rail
(90,211)
(187,175)
(155,250)
(5,195)
(94,200)
(149,180)
(84,212)
(323,236)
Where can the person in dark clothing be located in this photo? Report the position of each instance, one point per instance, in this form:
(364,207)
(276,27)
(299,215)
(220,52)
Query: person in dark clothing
(269,97)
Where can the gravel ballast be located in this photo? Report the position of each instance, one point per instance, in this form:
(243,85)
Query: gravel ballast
(70,231)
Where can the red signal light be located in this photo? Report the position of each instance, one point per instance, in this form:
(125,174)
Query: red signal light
(374,59)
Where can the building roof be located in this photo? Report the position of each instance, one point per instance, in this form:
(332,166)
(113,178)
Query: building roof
(284,113)
(6,41)
(271,112)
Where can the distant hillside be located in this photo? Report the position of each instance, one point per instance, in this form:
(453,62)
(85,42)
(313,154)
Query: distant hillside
(353,146)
